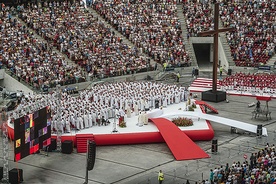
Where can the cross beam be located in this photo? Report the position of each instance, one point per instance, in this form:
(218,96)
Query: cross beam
(215,34)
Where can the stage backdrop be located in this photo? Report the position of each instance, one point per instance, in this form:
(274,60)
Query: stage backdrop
(32,132)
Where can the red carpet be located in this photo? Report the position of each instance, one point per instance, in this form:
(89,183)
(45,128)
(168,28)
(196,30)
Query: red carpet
(203,105)
(182,147)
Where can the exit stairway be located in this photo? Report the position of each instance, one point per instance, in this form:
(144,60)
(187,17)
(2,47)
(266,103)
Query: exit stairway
(81,140)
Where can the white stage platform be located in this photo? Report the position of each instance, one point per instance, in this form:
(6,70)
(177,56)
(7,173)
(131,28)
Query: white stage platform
(154,113)
(170,112)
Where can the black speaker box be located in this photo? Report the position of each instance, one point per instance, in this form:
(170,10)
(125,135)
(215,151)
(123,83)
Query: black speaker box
(214,145)
(259,130)
(209,96)
(67,147)
(1,173)
(214,141)
(229,72)
(53,145)
(196,72)
(214,148)
(15,176)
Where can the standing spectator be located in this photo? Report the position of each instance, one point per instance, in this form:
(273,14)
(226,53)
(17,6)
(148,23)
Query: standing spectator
(193,72)
(177,77)
(258,106)
(211,176)
(165,64)
(252,158)
(160,177)
(220,71)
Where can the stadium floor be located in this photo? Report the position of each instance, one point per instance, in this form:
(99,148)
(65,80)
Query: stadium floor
(140,163)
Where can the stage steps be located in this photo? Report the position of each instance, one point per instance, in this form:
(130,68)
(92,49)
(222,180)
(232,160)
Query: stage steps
(81,140)
(204,106)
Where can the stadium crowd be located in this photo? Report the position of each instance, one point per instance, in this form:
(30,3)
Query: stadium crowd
(199,16)
(253,43)
(31,59)
(258,168)
(153,26)
(84,39)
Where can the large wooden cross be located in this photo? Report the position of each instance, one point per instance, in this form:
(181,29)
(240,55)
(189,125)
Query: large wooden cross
(215,33)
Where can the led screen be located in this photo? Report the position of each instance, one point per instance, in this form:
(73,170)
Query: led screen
(32,132)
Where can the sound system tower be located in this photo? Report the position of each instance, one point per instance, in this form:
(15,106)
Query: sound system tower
(15,176)
(214,146)
(67,147)
(1,173)
(259,130)
(91,155)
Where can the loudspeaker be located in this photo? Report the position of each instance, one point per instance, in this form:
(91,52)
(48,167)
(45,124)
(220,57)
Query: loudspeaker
(91,155)
(53,145)
(15,176)
(67,147)
(1,173)
(214,146)
(259,130)
(229,72)
(234,130)
(196,72)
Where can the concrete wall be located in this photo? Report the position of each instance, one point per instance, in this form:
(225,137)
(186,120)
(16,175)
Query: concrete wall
(2,73)
(12,84)
(222,56)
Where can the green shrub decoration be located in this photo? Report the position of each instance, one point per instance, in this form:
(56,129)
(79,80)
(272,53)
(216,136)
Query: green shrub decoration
(191,108)
(122,124)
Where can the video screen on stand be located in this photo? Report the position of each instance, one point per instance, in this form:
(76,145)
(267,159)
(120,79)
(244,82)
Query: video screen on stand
(32,132)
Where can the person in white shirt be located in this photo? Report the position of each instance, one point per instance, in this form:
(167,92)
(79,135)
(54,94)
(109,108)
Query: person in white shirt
(146,118)
(67,126)
(128,112)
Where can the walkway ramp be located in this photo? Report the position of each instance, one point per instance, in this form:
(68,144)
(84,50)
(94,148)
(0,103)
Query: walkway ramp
(181,146)
(225,121)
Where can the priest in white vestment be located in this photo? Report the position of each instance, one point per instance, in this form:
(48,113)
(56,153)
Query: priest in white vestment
(90,122)
(128,110)
(67,126)
(135,108)
(146,118)
(85,119)
(141,119)
(147,105)
(81,121)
